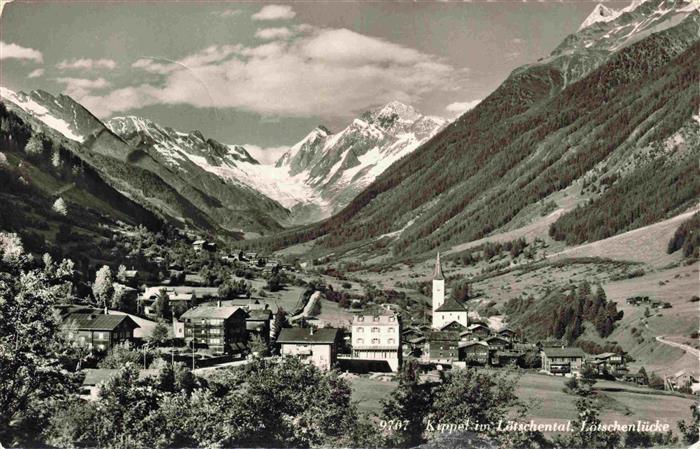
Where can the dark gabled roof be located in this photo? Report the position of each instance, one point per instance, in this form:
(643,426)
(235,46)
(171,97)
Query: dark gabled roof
(452,325)
(451,305)
(437,272)
(564,352)
(464,344)
(303,335)
(496,337)
(86,321)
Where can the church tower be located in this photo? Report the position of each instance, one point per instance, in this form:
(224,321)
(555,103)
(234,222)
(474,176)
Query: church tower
(438,285)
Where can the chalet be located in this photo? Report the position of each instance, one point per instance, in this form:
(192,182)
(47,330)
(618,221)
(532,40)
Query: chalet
(637,378)
(479,330)
(99,331)
(316,346)
(258,323)
(377,337)
(183,295)
(194,280)
(562,360)
(610,363)
(506,357)
(443,346)
(497,343)
(220,329)
(474,352)
(130,294)
(445,311)
(678,380)
(507,333)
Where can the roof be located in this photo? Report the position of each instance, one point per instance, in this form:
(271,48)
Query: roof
(464,344)
(305,335)
(97,376)
(223,312)
(382,319)
(258,314)
(453,324)
(476,326)
(199,242)
(564,352)
(99,321)
(496,337)
(437,272)
(451,305)
(506,330)
(605,355)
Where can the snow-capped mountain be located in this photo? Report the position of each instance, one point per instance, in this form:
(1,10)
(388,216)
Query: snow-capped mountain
(60,113)
(606,31)
(329,169)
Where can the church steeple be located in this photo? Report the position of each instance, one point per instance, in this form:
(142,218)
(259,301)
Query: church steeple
(438,286)
(437,272)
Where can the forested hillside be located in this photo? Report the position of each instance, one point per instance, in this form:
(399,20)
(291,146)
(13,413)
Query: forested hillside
(529,139)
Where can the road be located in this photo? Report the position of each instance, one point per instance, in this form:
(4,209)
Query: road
(686,348)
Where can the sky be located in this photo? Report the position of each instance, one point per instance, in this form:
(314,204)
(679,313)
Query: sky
(265,74)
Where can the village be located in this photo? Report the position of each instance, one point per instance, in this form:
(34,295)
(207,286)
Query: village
(188,320)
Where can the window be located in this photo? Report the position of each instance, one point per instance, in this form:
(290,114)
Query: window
(376,318)
(360,341)
(360,330)
(214,341)
(375,341)
(391,318)
(375,330)
(391,329)
(216,322)
(215,331)
(391,341)
(360,318)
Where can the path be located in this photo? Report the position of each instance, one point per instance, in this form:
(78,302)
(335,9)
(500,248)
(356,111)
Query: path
(686,348)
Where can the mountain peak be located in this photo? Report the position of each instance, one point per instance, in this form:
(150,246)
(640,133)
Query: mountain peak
(600,13)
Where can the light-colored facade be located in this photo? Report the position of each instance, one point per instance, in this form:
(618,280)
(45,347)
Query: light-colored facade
(445,311)
(316,346)
(377,338)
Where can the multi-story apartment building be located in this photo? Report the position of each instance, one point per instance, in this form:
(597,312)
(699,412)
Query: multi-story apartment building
(377,337)
(221,329)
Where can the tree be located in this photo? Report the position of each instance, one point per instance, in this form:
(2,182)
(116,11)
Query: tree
(160,334)
(258,346)
(585,434)
(35,145)
(32,347)
(162,305)
(59,206)
(11,248)
(279,322)
(121,274)
(274,283)
(690,431)
(645,377)
(461,292)
(103,288)
(408,406)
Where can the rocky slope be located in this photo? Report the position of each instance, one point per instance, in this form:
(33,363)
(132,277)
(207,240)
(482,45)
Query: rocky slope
(140,162)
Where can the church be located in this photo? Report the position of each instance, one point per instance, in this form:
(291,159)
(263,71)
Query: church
(445,311)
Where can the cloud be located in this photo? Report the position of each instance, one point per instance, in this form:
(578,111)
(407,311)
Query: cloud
(273,33)
(324,72)
(460,108)
(274,12)
(80,87)
(14,51)
(86,64)
(267,155)
(36,73)
(227,13)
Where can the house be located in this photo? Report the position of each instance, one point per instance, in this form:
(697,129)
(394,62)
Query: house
(474,352)
(129,294)
(201,245)
(447,310)
(95,378)
(680,379)
(507,333)
(498,343)
(220,329)
(610,363)
(479,330)
(506,357)
(443,346)
(258,323)
(131,278)
(562,360)
(100,331)
(184,296)
(377,337)
(316,346)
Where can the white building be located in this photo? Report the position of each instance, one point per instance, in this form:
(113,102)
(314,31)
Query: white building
(316,346)
(377,338)
(445,311)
